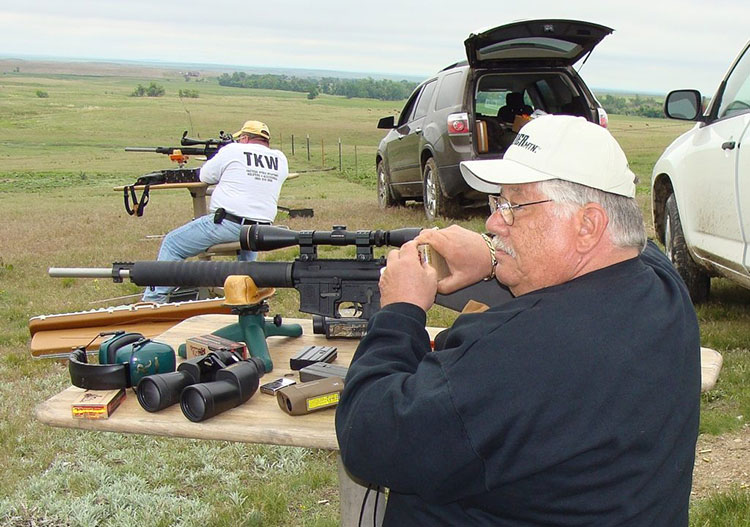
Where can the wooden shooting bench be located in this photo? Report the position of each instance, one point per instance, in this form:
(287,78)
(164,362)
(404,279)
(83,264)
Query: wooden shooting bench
(259,420)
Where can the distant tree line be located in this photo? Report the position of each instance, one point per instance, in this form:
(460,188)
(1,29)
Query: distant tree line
(384,89)
(633,105)
(157,90)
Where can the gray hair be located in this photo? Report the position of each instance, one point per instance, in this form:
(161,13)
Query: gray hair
(625,227)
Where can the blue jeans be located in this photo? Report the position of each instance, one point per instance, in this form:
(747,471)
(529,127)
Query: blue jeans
(190,240)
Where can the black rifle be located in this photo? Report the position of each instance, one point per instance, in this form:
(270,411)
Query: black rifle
(324,285)
(188,147)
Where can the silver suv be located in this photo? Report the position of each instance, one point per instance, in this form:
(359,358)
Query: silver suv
(473,109)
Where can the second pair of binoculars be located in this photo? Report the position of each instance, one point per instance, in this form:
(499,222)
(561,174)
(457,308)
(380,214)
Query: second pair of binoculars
(205,386)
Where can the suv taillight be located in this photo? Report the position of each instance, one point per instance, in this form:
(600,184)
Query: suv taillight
(603,118)
(458,124)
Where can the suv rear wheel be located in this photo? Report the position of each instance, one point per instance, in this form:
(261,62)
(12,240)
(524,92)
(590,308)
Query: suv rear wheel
(435,203)
(696,279)
(385,193)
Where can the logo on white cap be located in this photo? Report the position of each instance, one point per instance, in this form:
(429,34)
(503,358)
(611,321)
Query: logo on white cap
(522,141)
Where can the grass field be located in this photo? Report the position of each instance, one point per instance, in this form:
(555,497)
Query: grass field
(61,155)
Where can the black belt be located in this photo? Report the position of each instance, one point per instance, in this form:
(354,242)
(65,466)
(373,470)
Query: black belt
(221,215)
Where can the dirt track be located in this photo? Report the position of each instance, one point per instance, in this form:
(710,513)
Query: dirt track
(722,462)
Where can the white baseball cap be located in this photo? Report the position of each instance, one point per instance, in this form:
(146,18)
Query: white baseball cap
(556,147)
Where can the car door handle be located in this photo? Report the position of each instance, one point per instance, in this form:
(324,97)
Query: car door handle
(729,145)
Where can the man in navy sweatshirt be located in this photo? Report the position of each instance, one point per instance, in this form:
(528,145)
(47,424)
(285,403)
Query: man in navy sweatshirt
(576,402)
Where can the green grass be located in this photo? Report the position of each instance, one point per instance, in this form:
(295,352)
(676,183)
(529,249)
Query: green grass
(726,509)
(59,159)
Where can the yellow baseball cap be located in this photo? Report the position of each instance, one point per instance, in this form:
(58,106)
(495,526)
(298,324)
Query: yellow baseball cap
(255,128)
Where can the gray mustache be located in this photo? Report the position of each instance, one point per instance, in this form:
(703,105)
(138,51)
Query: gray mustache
(499,245)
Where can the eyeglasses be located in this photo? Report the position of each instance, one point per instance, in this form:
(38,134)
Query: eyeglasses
(505,207)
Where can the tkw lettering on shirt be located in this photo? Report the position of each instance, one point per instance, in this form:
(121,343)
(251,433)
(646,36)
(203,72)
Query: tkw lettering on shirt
(522,141)
(256,160)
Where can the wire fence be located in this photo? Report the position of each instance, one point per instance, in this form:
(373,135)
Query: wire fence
(330,154)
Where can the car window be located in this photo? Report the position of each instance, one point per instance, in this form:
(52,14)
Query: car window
(546,93)
(549,92)
(557,95)
(736,97)
(488,103)
(408,108)
(492,93)
(449,92)
(424,100)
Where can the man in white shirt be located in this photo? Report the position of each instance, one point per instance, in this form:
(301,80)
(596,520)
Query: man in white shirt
(248,175)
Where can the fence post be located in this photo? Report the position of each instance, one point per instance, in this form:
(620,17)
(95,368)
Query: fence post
(322,154)
(308,147)
(340,170)
(292,145)
(356,175)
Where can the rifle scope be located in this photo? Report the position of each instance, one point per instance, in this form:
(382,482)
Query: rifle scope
(268,237)
(223,140)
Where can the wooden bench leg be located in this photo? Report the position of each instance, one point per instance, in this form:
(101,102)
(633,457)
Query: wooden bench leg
(352,495)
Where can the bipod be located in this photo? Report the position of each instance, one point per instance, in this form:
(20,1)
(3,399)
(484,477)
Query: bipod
(252,326)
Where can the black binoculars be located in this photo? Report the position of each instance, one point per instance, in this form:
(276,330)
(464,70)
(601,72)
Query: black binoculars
(205,386)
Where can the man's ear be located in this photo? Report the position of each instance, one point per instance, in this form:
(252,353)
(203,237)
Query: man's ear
(592,223)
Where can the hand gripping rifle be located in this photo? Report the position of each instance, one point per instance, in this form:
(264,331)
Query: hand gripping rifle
(180,155)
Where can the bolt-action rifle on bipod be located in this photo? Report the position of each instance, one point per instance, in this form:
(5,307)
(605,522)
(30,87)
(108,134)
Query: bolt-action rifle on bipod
(188,147)
(325,286)
(178,154)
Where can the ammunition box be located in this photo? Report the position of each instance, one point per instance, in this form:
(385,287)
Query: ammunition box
(97,404)
(197,346)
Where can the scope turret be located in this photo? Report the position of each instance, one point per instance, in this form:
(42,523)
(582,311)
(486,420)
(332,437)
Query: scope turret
(269,237)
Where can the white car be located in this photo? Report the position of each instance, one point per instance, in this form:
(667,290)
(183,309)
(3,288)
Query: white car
(700,186)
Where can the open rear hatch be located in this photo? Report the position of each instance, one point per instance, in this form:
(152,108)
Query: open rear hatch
(544,42)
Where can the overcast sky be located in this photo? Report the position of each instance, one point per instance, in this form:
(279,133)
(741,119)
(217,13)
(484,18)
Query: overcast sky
(658,45)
